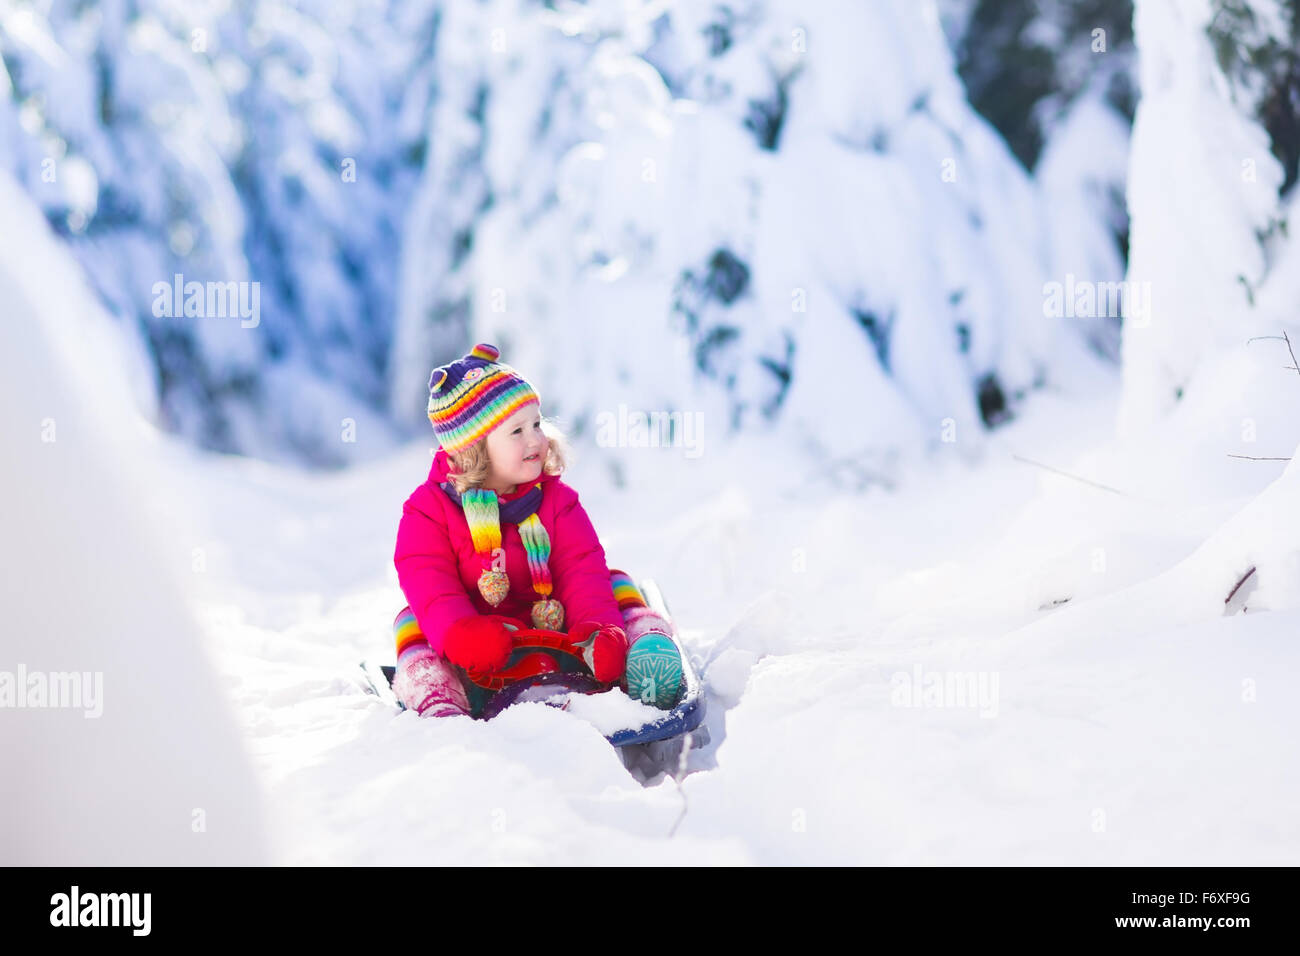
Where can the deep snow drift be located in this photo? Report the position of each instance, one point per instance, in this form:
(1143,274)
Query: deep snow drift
(141,763)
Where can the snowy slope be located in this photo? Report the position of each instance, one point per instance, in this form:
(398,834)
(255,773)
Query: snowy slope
(1133,724)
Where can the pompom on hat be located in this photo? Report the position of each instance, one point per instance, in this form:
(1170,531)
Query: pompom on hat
(473,395)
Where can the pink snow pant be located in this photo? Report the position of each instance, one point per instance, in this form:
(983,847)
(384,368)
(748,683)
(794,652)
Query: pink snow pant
(426,683)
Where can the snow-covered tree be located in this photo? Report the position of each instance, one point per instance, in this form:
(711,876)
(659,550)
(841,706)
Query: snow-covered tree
(771,213)
(259,143)
(776,214)
(1213,159)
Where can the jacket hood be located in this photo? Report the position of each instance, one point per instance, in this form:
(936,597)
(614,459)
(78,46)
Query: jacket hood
(441,468)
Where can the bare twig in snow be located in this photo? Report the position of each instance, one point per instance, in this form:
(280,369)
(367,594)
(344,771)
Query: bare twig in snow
(677,780)
(1294,364)
(1236,587)
(1086,481)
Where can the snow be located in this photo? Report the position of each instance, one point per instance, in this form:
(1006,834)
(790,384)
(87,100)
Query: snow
(922,642)
(610,711)
(1133,724)
(154,773)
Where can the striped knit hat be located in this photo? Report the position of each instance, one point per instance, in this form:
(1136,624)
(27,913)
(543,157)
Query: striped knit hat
(473,395)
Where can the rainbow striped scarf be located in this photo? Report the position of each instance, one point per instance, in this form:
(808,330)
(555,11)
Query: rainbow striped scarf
(483,513)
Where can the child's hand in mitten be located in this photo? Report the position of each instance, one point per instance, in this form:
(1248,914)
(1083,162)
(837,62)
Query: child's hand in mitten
(603,648)
(480,644)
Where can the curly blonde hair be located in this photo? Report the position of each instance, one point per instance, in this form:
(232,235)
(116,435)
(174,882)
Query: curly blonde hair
(470,466)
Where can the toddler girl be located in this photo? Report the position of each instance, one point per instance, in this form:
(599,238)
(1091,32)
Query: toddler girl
(493,542)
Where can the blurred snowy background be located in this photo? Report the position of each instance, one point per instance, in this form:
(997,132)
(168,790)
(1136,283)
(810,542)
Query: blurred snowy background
(678,206)
(880,252)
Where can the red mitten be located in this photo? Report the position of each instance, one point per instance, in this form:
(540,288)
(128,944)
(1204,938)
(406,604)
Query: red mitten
(603,648)
(480,643)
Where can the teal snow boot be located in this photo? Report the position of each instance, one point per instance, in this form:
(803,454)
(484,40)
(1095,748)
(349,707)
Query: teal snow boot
(654,671)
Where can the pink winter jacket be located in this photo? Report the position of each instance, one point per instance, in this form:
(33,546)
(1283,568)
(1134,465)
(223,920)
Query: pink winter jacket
(438,570)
